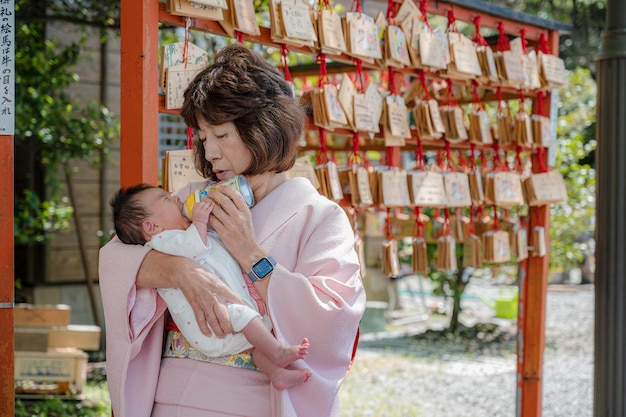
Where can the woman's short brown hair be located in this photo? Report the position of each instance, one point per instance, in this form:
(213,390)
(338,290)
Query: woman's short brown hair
(243,88)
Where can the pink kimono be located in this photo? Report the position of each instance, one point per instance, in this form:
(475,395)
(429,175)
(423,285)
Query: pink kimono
(315,291)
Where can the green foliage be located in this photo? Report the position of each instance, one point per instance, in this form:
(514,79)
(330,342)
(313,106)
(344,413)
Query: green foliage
(96,401)
(102,13)
(587,18)
(573,223)
(53,127)
(56,407)
(36,220)
(58,126)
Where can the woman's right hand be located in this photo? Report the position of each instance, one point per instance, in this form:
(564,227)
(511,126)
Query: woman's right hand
(205,292)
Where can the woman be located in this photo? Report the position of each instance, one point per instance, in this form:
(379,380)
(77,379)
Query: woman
(296,247)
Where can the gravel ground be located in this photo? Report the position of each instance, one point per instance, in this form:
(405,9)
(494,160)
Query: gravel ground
(400,373)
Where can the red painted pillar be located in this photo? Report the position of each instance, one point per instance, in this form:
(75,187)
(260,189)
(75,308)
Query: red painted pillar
(139,104)
(534,320)
(535,290)
(7,343)
(533,297)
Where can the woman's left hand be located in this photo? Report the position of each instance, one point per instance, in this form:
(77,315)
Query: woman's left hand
(232,220)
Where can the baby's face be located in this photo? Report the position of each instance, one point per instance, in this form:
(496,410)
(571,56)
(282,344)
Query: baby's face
(166,210)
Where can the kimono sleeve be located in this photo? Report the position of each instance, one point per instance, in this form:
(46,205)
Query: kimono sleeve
(126,306)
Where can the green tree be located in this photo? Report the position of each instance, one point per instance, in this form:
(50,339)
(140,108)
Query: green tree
(573,222)
(587,18)
(52,128)
(101,14)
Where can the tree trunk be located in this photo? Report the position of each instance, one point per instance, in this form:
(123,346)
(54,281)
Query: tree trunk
(459,284)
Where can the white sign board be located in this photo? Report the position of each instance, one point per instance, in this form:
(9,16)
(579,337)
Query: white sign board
(7,67)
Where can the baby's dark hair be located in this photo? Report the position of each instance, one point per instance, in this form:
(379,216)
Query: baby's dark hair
(129,213)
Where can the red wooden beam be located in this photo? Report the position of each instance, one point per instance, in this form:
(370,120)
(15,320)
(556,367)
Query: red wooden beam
(491,21)
(7,273)
(139,105)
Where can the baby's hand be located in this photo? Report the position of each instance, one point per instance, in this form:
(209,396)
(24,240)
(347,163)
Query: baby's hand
(201,211)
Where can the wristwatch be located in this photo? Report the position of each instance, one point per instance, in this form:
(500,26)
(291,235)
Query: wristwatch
(262,268)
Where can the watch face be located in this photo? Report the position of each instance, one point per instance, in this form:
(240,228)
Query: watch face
(262,268)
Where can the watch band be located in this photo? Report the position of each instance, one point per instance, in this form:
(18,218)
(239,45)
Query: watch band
(262,268)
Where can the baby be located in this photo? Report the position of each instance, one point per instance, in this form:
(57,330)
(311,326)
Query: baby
(145,214)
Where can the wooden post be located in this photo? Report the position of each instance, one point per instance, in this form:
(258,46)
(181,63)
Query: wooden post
(521,325)
(532,310)
(533,333)
(533,296)
(534,289)
(7,189)
(139,100)
(610,275)
(7,343)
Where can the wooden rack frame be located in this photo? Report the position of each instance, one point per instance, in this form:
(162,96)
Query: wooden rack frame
(141,104)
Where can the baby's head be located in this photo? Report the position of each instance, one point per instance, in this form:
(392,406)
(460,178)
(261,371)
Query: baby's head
(141,211)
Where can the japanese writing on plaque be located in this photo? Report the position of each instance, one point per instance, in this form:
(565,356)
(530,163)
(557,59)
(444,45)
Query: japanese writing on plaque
(7,67)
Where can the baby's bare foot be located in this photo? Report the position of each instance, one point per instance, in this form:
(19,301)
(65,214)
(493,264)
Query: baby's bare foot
(287,354)
(286,378)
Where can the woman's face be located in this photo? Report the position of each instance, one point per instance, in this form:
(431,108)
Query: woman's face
(224,149)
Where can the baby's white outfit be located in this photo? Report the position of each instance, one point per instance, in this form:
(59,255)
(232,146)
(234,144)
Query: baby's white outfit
(215,258)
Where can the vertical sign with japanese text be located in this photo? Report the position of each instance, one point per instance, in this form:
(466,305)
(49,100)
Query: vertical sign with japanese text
(7,67)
